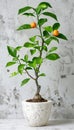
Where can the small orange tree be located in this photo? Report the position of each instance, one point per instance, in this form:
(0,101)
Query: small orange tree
(37,44)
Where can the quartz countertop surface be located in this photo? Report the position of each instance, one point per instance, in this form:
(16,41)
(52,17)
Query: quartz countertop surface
(19,124)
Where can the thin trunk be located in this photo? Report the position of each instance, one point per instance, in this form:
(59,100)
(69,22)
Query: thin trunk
(37,84)
(36,73)
(38,87)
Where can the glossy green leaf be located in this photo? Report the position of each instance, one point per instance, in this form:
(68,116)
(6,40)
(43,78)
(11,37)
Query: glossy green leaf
(56,26)
(45,48)
(42,6)
(15,59)
(35,61)
(12,51)
(42,21)
(28,68)
(32,39)
(55,39)
(29,14)
(48,28)
(42,74)
(10,63)
(25,81)
(29,45)
(45,33)
(49,40)
(62,36)
(38,10)
(37,47)
(24,9)
(38,60)
(50,15)
(25,26)
(52,56)
(53,49)
(33,51)
(32,63)
(18,48)
(26,58)
(21,68)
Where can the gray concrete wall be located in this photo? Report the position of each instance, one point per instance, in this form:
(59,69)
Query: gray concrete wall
(59,82)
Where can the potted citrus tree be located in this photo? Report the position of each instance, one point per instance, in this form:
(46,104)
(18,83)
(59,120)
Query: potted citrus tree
(37,109)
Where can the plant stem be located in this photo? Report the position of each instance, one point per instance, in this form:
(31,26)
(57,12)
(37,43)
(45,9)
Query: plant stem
(27,71)
(40,55)
(30,75)
(37,84)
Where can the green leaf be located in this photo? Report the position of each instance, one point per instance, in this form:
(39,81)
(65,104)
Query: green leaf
(42,74)
(44,48)
(29,45)
(53,49)
(62,36)
(38,60)
(25,26)
(48,28)
(10,64)
(32,64)
(35,61)
(28,68)
(45,33)
(55,39)
(24,9)
(26,58)
(37,47)
(42,21)
(42,6)
(13,74)
(32,39)
(52,56)
(33,51)
(56,26)
(12,51)
(15,59)
(48,41)
(18,48)
(36,42)
(21,68)
(50,14)
(38,10)
(29,14)
(25,81)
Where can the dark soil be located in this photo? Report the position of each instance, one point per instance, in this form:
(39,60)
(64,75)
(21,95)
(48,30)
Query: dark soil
(37,98)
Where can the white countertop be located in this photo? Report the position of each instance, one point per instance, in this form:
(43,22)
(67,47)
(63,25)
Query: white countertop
(19,124)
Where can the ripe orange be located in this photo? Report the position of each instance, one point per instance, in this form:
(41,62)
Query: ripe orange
(33,25)
(56,33)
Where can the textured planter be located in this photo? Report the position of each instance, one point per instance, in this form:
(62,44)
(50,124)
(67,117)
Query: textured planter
(37,114)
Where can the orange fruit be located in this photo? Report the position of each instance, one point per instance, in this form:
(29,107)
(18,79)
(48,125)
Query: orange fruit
(56,33)
(33,25)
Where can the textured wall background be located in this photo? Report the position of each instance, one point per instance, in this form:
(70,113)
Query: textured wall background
(59,83)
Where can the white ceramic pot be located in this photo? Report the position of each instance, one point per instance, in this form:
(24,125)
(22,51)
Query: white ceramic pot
(37,114)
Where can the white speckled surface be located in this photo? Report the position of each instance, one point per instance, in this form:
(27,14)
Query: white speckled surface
(59,82)
(17,124)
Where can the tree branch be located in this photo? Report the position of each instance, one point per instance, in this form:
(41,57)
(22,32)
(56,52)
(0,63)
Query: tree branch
(30,75)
